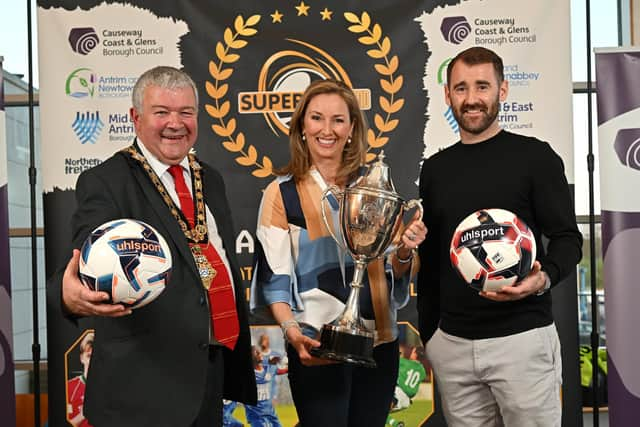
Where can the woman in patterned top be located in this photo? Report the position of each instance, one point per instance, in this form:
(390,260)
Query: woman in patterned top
(302,276)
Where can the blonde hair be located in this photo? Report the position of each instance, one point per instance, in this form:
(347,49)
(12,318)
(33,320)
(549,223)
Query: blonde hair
(354,153)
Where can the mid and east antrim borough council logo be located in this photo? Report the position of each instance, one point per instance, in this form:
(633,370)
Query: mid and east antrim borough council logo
(288,70)
(87,126)
(83,39)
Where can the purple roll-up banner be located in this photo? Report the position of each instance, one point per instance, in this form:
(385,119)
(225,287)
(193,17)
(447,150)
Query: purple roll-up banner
(617,71)
(7,387)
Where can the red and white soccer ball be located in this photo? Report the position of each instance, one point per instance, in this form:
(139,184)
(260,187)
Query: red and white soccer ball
(128,259)
(492,248)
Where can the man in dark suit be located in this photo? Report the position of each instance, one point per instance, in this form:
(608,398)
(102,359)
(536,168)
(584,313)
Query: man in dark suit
(164,364)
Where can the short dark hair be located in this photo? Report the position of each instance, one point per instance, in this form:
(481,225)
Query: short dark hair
(478,55)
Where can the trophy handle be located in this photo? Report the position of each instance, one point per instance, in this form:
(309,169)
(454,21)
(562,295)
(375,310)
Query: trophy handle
(338,195)
(414,203)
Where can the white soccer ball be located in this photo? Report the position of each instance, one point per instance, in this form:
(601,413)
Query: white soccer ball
(128,259)
(492,248)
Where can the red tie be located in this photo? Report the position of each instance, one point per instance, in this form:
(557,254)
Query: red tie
(224,318)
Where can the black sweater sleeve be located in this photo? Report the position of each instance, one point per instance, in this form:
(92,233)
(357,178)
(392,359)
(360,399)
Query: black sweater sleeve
(428,299)
(553,209)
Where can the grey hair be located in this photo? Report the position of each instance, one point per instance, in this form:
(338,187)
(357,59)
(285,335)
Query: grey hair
(164,77)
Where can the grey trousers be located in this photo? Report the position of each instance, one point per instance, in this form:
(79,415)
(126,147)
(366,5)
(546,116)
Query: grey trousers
(511,381)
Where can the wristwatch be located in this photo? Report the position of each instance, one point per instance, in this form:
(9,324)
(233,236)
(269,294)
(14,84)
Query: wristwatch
(547,284)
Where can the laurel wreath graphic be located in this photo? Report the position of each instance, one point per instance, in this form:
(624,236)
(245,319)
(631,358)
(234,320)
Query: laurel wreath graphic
(235,142)
(221,71)
(390,83)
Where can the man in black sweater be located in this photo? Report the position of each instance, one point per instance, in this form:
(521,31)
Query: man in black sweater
(495,355)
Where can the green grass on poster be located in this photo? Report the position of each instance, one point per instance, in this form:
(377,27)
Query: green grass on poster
(414,415)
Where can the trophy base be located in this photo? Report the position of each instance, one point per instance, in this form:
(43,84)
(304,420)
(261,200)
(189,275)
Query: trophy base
(348,347)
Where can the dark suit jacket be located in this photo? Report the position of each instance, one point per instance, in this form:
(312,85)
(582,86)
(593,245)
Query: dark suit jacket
(149,368)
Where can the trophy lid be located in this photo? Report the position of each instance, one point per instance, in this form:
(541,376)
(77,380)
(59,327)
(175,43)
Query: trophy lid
(377,176)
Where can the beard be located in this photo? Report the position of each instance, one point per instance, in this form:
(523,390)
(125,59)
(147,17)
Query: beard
(476,126)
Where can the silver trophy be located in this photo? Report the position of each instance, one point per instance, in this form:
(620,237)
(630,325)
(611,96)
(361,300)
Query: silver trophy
(370,220)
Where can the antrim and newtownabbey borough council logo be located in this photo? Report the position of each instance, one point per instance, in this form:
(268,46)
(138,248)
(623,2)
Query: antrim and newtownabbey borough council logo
(80,83)
(284,75)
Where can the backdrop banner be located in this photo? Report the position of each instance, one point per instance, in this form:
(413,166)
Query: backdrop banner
(7,387)
(250,62)
(619,141)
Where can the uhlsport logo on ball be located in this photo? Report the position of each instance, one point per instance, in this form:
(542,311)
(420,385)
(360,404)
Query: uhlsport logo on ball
(492,248)
(128,259)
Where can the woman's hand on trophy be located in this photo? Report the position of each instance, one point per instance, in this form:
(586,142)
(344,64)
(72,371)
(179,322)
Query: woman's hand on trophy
(303,344)
(292,333)
(414,233)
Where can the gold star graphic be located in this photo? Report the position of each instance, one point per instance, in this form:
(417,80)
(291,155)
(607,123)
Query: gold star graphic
(277,17)
(326,14)
(302,9)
